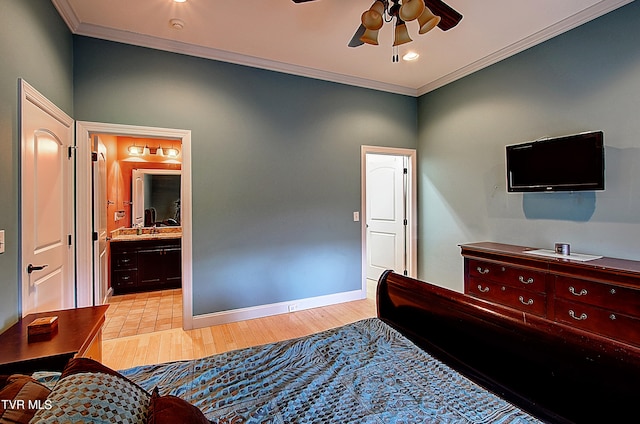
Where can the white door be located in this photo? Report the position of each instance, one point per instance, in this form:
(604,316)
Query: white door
(386,214)
(100,259)
(47,210)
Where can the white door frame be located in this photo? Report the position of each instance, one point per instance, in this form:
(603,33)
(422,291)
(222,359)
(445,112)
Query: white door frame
(412,236)
(84,226)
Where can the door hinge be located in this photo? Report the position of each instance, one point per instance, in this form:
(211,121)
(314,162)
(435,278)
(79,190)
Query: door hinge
(405,222)
(69,240)
(94,156)
(405,171)
(71,150)
(406,273)
(95,236)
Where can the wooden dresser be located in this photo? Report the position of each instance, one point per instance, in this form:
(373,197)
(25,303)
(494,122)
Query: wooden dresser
(601,296)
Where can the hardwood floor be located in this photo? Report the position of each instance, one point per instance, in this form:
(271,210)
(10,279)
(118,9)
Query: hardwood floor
(176,344)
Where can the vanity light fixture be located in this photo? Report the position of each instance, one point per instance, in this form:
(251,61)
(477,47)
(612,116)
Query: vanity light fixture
(135,150)
(171,152)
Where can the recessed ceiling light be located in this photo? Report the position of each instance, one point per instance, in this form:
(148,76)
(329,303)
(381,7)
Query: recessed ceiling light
(179,1)
(409,56)
(176,24)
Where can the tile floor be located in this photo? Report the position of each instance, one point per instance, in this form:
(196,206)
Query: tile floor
(139,313)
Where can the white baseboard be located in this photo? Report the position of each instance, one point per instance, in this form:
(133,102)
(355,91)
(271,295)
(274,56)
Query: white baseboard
(224,317)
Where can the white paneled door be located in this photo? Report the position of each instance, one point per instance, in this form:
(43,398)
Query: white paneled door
(47,210)
(386,214)
(100,258)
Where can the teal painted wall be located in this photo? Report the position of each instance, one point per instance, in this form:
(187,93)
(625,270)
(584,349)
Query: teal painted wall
(35,45)
(586,79)
(275,164)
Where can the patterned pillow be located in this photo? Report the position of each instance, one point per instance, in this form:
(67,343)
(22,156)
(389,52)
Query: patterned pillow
(21,397)
(99,395)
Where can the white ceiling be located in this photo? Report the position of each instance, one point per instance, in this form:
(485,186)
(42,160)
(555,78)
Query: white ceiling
(310,39)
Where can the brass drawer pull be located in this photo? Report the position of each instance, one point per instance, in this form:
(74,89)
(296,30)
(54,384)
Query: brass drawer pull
(482,271)
(523,281)
(485,290)
(583,292)
(528,302)
(612,317)
(612,291)
(582,316)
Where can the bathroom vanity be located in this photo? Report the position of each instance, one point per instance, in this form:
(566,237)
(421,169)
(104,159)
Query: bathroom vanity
(146,262)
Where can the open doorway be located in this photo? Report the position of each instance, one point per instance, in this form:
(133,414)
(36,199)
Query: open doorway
(389,213)
(85,132)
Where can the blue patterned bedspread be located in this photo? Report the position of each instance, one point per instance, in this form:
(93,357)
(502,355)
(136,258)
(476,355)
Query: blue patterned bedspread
(365,372)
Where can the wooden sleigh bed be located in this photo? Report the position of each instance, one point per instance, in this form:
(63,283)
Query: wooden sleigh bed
(473,364)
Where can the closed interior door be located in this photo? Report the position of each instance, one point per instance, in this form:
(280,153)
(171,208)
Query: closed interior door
(386,214)
(47,211)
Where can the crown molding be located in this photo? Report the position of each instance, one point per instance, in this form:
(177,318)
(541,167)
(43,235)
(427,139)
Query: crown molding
(173,46)
(563,26)
(67,13)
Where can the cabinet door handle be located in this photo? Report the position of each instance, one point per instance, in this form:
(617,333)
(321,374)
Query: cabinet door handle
(612,317)
(582,292)
(527,281)
(582,316)
(482,271)
(528,302)
(485,290)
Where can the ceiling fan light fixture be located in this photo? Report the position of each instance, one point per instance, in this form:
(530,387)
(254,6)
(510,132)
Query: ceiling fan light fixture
(411,10)
(401,34)
(370,36)
(427,21)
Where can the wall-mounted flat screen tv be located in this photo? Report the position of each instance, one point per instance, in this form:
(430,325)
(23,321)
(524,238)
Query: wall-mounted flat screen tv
(568,163)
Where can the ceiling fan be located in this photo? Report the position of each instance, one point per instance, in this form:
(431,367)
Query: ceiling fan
(428,13)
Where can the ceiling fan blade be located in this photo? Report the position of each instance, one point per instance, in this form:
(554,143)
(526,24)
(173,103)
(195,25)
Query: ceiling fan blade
(355,40)
(449,17)
(301,1)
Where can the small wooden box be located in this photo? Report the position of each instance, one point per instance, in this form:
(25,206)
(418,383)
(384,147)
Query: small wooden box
(42,327)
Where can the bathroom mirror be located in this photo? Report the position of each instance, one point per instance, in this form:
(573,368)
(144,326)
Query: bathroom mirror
(155,197)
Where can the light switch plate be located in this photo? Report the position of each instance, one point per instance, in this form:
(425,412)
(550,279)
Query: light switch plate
(1,241)
(356,216)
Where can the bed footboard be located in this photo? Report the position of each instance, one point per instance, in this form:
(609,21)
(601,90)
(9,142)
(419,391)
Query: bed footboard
(550,370)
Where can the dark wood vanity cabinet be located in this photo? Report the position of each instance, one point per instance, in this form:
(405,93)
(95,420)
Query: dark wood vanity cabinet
(145,265)
(600,296)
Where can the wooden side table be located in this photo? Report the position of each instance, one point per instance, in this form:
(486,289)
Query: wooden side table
(79,334)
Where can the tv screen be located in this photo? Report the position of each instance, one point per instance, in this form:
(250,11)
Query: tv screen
(569,163)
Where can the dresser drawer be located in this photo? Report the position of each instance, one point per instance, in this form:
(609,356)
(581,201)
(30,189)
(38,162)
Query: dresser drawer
(523,300)
(128,261)
(621,299)
(515,277)
(598,320)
